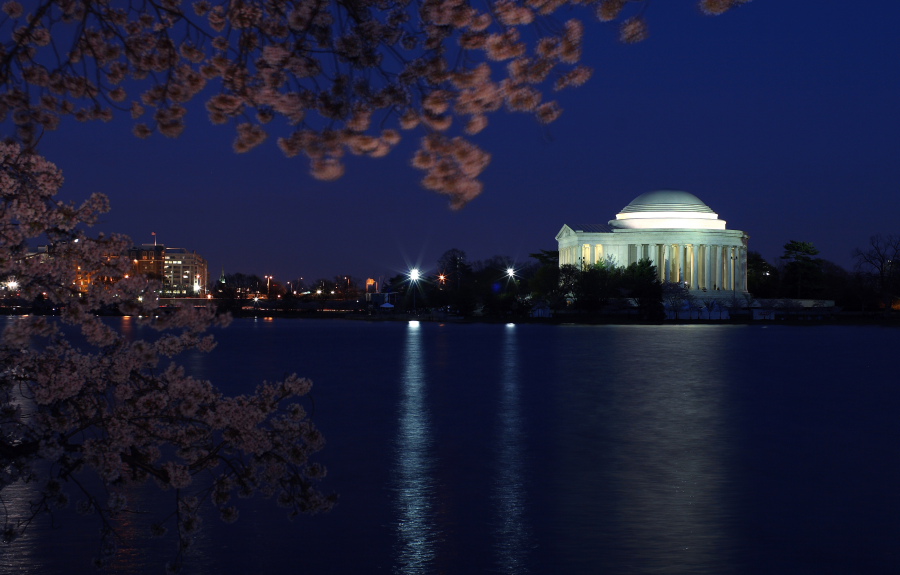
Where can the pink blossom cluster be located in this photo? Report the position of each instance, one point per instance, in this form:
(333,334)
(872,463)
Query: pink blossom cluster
(334,72)
(122,410)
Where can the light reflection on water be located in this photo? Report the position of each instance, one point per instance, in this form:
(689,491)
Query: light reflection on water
(510,531)
(27,557)
(672,472)
(416,532)
(643,471)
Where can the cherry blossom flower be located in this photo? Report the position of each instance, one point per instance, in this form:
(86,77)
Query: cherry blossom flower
(304,66)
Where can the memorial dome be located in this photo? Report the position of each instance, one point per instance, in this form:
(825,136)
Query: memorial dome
(667,201)
(667,209)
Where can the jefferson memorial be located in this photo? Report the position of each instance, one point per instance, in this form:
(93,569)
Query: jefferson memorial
(676,231)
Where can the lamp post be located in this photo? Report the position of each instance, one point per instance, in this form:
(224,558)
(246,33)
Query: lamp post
(511,274)
(268,286)
(414,279)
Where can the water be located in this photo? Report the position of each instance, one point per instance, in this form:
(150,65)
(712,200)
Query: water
(558,449)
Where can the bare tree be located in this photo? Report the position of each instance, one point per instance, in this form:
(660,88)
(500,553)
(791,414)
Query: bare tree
(694,305)
(675,295)
(881,261)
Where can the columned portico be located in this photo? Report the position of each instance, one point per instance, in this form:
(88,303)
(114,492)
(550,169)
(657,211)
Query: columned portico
(676,232)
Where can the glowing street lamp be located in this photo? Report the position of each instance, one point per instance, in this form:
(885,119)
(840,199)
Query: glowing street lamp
(511,277)
(414,276)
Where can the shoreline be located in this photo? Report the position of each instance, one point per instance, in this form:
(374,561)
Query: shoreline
(847,319)
(826,318)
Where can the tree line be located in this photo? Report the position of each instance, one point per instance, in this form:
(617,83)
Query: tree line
(498,286)
(872,284)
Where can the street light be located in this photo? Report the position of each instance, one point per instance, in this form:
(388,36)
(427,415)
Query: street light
(511,277)
(268,286)
(414,278)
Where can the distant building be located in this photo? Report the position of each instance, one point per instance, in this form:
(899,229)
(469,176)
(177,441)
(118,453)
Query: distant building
(148,260)
(678,233)
(185,274)
(83,279)
(182,272)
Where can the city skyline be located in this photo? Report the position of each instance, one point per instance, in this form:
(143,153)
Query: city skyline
(781,118)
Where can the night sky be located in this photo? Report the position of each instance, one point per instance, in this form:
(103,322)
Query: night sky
(781,116)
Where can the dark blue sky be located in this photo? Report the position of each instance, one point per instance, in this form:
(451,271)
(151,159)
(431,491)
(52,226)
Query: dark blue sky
(781,116)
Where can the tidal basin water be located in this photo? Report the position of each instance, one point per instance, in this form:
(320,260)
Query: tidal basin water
(483,448)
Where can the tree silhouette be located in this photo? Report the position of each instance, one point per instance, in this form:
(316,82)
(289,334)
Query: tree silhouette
(802,274)
(881,260)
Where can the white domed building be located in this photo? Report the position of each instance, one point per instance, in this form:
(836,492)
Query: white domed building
(676,231)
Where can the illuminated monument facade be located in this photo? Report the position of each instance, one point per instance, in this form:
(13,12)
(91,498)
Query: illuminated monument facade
(678,233)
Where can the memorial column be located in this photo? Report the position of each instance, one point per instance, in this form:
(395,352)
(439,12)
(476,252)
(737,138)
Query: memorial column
(701,267)
(695,266)
(676,262)
(728,261)
(660,261)
(717,266)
